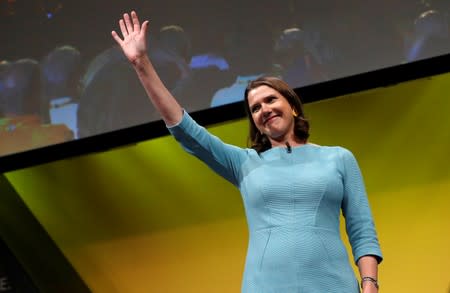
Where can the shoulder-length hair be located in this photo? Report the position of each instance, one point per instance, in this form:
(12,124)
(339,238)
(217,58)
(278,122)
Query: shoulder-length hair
(260,142)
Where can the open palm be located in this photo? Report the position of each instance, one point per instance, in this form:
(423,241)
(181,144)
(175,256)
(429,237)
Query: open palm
(134,43)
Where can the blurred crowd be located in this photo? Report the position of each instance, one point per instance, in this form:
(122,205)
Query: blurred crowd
(63,96)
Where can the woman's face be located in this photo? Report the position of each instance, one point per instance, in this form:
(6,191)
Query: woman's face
(271,113)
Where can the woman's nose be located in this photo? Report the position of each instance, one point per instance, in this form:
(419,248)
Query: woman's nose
(266,110)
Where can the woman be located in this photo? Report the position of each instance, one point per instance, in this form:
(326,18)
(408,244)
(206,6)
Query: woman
(293,191)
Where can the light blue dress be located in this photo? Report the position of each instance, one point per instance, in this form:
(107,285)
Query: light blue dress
(293,201)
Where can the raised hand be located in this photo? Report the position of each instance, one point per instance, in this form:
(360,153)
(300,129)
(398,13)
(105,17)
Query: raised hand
(134,42)
(134,46)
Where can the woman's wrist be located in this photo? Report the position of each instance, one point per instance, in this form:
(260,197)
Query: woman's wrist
(369,281)
(140,61)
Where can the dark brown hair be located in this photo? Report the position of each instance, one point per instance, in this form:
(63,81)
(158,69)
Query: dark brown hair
(260,142)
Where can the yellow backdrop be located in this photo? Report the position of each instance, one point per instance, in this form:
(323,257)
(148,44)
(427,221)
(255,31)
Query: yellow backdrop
(150,218)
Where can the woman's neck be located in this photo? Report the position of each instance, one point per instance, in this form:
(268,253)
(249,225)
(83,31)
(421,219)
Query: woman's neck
(289,141)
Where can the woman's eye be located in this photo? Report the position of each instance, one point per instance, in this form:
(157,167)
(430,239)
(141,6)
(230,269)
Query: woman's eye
(271,99)
(255,109)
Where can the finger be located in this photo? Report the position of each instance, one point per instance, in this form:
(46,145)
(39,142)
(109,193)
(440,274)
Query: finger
(116,37)
(135,20)
(123,29)
(144,27)
(128,24)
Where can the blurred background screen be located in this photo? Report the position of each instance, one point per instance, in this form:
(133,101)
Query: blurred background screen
(62,77)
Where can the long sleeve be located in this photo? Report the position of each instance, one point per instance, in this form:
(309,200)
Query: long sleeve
(224,159)
(356,210)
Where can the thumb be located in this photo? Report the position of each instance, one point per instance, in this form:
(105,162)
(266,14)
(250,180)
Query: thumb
(144,27)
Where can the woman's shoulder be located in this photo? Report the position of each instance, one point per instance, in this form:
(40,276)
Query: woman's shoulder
(321,147)
(336,150)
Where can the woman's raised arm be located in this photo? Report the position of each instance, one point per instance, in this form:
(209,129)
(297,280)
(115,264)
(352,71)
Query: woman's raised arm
(134,46)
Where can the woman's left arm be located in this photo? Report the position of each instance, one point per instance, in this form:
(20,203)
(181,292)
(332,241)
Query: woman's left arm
(359,223)
(368,270)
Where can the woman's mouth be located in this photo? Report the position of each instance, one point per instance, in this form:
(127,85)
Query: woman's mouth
(269,119)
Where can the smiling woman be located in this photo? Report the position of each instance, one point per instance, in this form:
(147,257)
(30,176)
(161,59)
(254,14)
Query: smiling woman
(273,116)
(267,98)
(292,198)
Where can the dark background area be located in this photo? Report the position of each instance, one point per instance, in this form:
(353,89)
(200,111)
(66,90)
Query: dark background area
(358,45)
(28,31)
